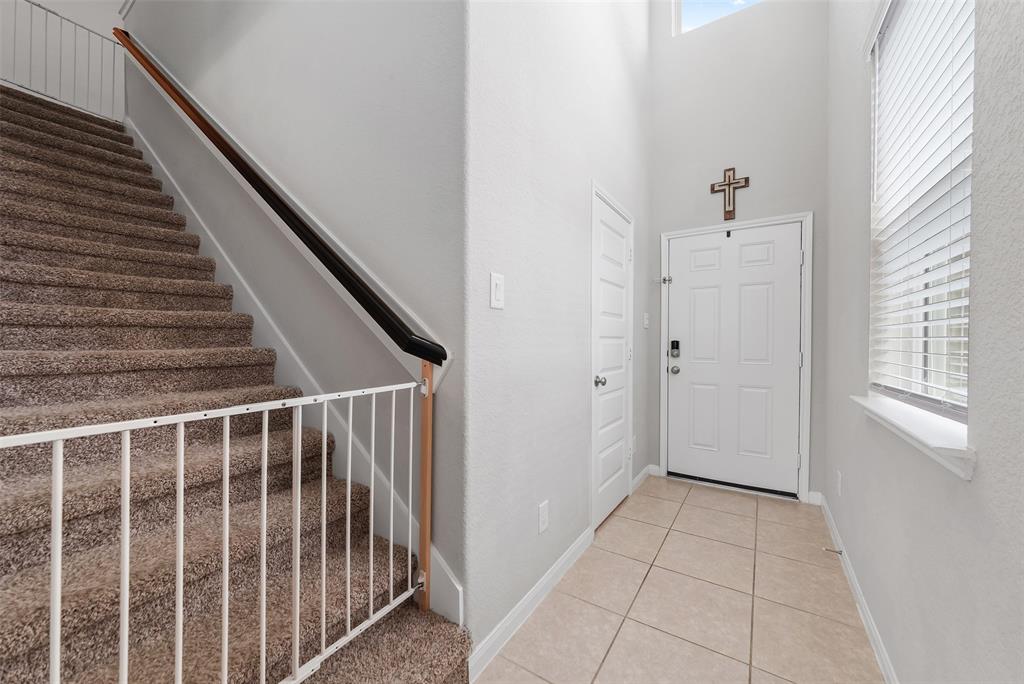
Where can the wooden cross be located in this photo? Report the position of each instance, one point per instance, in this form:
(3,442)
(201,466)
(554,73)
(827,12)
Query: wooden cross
(729,186)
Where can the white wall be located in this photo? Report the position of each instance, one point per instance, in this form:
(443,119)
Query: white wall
(357,109)
(940,560)
(556,100)
(748,91)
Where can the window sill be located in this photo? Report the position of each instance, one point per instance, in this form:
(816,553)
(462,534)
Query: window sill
(944,440)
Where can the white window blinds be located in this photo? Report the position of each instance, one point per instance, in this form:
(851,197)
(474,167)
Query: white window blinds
(921,209)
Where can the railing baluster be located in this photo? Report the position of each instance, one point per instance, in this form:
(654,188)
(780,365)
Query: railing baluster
(31,38)
(348,525)
(408,500)
(60,61)
(126,498)
(46,52)
(56,555)
(296,525)
(179,556)
(263,549)
(373,478)
(391,509)
(323,531)
(225,576)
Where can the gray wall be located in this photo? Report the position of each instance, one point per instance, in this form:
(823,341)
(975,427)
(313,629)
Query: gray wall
(357,109)
(747,91)
(557,99)
(940,560)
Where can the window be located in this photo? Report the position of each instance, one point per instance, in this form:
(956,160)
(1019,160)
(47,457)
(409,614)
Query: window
(921,204)
(695,13)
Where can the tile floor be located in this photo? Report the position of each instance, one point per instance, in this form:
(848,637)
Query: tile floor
(688,583)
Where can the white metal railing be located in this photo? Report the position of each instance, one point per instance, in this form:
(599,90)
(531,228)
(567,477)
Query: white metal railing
(299,669)
(61,59)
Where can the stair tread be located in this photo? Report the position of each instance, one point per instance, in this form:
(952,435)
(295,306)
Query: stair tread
(91,580)
(54,243)
(73,148)
(37,111)
(54,127)
(25,500)
(15,362)
(8,92)
(98,280)
(17,313)
(59,159)
(13,164)
(36,189)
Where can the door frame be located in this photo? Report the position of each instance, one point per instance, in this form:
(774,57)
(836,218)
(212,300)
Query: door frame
(806,221)
(598,194)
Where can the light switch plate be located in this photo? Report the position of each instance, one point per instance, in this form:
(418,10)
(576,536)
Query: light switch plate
(542,517)
(497,291)
(647,320)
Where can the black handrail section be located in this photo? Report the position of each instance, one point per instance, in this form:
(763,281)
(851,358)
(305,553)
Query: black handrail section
(400,330)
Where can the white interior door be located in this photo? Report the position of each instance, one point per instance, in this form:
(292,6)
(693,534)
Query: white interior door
(734,388)
(612,340)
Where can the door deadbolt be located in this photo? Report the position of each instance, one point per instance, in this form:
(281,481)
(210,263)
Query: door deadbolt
(674,349)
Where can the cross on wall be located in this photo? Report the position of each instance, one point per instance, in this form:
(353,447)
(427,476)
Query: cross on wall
(729,185)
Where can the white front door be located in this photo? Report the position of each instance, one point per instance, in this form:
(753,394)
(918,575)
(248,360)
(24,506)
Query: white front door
(734,388)
(611,351)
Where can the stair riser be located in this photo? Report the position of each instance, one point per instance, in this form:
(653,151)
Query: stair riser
(59,196)
(130,237)
(38,390)
(69,163)
(63,338)
(25,549)
(88,262)
(11,104)
(91,451)
(33,293)
(111,160)
(10,94)
(69,133)
(97,642)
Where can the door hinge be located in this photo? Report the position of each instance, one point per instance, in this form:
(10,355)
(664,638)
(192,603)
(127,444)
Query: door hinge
(666,280)
(631,254)
(801,359)
(629,353)
(801,257)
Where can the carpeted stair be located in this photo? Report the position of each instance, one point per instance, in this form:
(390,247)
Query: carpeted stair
(108,312)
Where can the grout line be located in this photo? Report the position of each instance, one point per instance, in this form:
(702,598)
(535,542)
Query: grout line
(808,612)
(753,593)
(706,581)
(622,555)
(690,641)
(519,665)
(720,541)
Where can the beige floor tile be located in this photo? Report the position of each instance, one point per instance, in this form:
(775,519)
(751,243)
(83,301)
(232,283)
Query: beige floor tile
(791,513)
(707,559)
(723,500)
(707,522)
(664,488)
(762,677)
(798,543)
(807,648)
(660,512)
(706,614)
(816,589)
(564,640)
(643,655)
(630,538)
(605,579)
(502,671)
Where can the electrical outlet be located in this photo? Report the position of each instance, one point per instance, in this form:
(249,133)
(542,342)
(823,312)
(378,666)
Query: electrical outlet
(542,517)
(839,482)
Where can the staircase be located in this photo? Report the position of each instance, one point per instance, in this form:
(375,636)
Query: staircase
(109,313)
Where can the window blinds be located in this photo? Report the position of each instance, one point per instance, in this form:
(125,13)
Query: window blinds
(921,209)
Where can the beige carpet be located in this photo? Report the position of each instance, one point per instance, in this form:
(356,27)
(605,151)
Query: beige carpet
(108,312)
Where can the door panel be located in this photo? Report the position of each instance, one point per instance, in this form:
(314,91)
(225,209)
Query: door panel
(611,320)
(734,307)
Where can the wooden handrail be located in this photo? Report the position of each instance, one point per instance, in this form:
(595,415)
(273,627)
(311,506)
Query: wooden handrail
(393,324)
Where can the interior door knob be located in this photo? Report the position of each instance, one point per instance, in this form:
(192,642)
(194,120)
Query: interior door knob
(599,381)
(675,370)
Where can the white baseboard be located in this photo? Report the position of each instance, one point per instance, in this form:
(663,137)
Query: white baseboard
(815,498)
(874,636)
(643,475)
(446,591)
(486,650)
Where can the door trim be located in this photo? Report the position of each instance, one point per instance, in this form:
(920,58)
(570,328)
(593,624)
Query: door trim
(598,194)
(806,221)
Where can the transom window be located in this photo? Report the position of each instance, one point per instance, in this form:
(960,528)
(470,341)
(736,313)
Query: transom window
(695,13)
(921,209)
